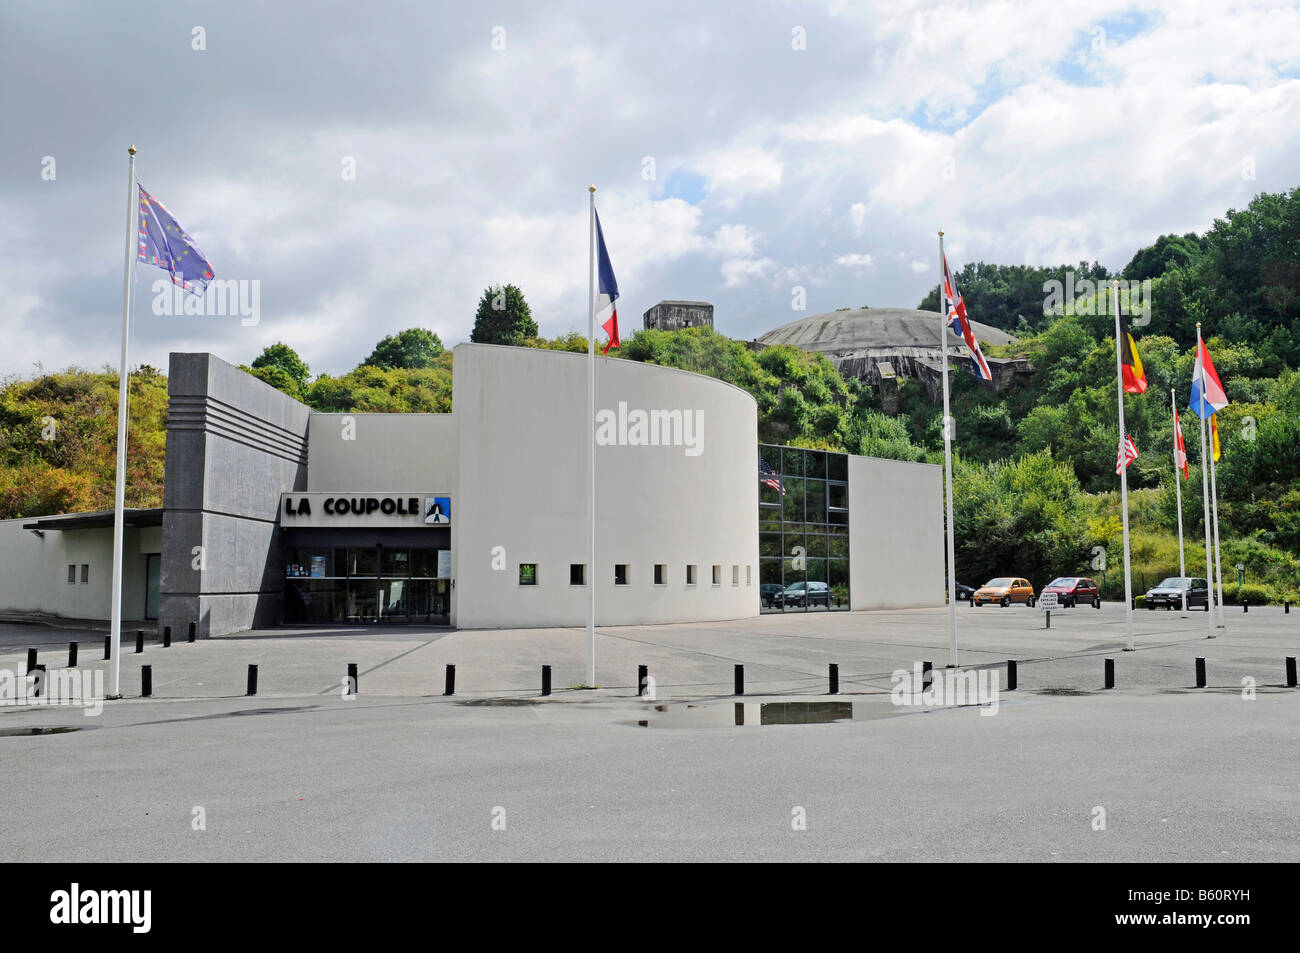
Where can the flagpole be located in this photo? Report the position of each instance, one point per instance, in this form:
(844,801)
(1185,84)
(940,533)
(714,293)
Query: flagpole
(591,439)
(1182,562)
(1123,472)
(119,492)
(947,464)
(1205,500)
(1218,554)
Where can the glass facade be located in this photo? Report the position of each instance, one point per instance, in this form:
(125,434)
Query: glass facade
(803,529)
(364,584)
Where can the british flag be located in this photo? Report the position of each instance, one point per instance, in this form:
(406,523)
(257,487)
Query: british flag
(954,314)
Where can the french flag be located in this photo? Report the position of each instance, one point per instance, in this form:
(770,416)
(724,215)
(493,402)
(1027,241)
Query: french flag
(1208,397)
(607,291)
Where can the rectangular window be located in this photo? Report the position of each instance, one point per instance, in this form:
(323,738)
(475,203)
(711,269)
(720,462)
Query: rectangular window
(717,574)
(577,574)
(749,575)
(620,574)
(661,574)
(528,574)
(85,572)
(690,574)
(72,574)
(735,575)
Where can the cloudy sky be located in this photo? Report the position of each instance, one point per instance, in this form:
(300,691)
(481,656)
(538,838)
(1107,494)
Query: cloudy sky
(741,150)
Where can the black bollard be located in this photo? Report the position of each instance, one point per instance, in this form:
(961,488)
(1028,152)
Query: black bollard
(1110,673)
(108,647)
(72,655)
(38,683)
(31,661)
(1290,671)
(927,675)
(546,680)
(252,679)
(139,641)
(449,683)
(740,679)
(1048,613)
(1135,603)
(835,678)
(146,681)
(1286,608)
(1245,605)
(353,687)
(972,600)
(194,628)
(1011,675)
(1200,672)
(642,675)
(167,636)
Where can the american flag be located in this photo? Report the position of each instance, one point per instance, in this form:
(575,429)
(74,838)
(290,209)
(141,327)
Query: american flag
(769,476)
(1128,452)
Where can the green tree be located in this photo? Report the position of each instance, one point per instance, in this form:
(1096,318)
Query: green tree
(281,367)
(503,317)
(414,347)
(1169,250)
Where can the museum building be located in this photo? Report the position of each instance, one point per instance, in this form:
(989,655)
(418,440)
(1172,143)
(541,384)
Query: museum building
(274,514)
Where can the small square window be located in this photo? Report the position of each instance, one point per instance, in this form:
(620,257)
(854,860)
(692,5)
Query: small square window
(749,575)
(577,574)
(85,572)
(620,574)
(661,574)
(735,575)
(528,574)
(72,574)
(690,574)
(717,574)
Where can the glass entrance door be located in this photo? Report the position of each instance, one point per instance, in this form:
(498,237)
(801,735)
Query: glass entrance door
(364,585)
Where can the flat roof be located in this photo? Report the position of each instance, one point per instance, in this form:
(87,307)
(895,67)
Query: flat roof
(98,519)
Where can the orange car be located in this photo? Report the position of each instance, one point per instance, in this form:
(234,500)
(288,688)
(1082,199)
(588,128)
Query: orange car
(1004,591)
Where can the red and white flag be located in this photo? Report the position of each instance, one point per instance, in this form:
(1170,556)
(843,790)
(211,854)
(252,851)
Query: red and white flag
(1128,452)
(1180,449)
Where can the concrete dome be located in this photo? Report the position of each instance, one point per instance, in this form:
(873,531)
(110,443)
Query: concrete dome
(870,329)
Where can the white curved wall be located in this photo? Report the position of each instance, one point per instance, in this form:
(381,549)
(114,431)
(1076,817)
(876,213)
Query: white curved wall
(522,479)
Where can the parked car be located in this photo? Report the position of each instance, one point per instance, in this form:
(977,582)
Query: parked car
(1169,593)
(768,593)
(1005,590)
(964,592)
(800,594)
(1071,590)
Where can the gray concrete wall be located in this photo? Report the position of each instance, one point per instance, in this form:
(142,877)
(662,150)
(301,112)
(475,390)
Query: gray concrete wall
(896,558)
(522,486)
(34,571)
(234,444)
(381,453)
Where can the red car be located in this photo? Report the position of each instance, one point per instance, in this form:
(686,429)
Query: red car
(1072,590)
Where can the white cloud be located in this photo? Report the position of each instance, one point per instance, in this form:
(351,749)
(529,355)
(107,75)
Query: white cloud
(857,260)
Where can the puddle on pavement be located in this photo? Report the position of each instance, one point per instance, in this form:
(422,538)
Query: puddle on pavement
(497,702)
(39,730)
(752,714)
(1062,691)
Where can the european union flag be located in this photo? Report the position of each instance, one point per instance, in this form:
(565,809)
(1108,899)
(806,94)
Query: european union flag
(165,244)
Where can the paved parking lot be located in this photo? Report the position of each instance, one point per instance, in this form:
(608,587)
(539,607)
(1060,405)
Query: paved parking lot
(496,773)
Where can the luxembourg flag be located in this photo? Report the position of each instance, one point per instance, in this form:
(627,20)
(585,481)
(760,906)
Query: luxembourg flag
(1208,397)
(607,296)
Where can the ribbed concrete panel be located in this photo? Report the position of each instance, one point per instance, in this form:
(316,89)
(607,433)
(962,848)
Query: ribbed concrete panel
(234,444)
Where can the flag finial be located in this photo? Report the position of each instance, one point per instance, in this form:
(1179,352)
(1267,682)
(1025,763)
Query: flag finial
(131,151)
(591,188)
(941,233)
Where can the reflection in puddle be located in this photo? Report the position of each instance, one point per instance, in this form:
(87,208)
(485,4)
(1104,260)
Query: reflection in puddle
(752,714)
(39,730)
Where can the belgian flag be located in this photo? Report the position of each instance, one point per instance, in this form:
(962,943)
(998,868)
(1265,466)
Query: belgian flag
(1135,379)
